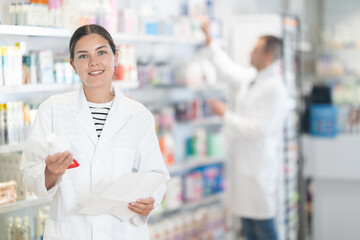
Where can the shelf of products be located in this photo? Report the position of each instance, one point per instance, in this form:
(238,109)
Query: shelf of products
(208,121)
(195,162)
(10,207)
(26,91)
(36,88)
(207,222)
(11,148)
(33,31)
(208,200)
(172,93)
(191,205)
(31,88)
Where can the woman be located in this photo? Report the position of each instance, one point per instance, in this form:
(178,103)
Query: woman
(110,134)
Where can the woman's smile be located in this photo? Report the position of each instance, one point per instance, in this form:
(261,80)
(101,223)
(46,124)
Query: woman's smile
(96,73)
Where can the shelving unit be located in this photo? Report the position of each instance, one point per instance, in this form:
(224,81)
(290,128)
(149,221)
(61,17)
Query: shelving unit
(35,88)
(10,207)
(172,94)
(29,92)
(11,148)
(33,31)
(207,121)
(194,162)
(192,205)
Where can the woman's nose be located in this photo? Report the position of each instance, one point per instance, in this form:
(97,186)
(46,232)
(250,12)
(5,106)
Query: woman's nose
(93,61)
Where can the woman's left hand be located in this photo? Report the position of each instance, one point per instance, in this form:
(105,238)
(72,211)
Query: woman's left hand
(142,206)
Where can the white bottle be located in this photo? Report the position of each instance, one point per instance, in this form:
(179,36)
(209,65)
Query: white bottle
(41,217)
(18,230)
(200,135)
(12,13)
(2,125)
(26,229)
(39,228)
(56,144)
(9,229)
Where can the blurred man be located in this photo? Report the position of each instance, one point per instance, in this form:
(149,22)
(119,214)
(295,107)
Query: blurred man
(253,134)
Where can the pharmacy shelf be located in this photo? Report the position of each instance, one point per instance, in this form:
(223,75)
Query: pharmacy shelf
(10,207)
(26,91)
(31,88)
(121,37)
(33,31)
(219,197)
(192,205)
(194,163)
(11,148)
(173,94)
(26,88)
(206,121)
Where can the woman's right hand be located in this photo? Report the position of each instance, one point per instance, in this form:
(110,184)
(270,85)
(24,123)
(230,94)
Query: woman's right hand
(58,163)
(56,166)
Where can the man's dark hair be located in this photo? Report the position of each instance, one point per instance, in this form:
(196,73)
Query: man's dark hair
(273,45)
(87,30)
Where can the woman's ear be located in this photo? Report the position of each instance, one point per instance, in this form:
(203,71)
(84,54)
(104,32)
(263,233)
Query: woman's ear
(116,57)
(72,65)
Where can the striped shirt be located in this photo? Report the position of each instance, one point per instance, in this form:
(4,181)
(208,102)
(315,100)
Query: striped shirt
(99,112)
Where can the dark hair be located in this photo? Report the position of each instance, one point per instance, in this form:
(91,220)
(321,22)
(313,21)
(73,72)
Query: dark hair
(273,45)
(87,30)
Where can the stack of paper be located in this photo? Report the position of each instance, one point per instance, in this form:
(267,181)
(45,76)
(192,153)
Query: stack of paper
(128,188)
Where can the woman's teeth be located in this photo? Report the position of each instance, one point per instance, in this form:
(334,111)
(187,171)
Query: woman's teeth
(97,72)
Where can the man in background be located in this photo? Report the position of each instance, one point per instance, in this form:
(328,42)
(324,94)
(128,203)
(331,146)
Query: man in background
(252,133)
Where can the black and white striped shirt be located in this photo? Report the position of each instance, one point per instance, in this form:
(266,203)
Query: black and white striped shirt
(99,112)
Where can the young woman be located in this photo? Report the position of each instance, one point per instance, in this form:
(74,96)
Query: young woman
(110,134)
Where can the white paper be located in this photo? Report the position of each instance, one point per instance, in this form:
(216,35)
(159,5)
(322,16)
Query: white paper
(128,188)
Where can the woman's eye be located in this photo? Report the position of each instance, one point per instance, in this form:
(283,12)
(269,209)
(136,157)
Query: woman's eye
(82,56)
(102,52)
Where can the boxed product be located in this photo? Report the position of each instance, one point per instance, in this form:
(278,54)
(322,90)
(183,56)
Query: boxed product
(323,120)
(7,192)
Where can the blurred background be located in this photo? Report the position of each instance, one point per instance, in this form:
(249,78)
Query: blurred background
(160,66)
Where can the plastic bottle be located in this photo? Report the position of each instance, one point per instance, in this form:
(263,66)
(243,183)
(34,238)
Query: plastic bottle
(169,146)
(39,229)
(26,229)
(12,13)
(9,229)
(41,217)
(18,233)
(59,145)
(200,136)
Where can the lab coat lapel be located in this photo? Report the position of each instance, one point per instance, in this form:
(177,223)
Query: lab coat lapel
(83,116)
(117,118)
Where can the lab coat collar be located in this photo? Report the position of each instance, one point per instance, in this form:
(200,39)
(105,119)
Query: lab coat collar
(118,115)
(270,71)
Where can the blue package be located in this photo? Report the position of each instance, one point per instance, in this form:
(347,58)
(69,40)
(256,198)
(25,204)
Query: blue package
(323,120)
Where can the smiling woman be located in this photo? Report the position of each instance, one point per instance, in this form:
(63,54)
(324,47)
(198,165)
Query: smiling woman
(110,135)
(93,56)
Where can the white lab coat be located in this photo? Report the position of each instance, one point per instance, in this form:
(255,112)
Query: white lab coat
(128,142)
(253,136)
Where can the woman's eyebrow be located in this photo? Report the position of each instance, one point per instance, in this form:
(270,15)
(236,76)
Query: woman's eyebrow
(83,51)
(101,47)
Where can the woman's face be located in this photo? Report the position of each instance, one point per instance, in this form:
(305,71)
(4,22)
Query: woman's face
(94,61)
